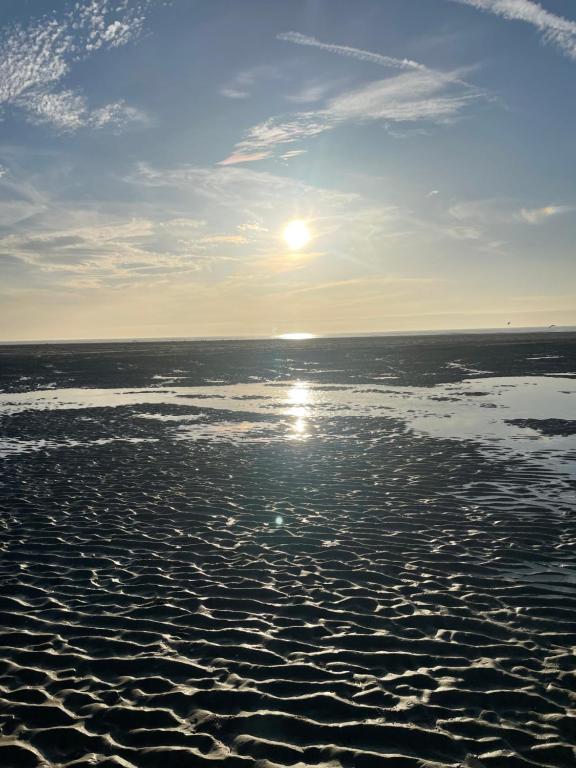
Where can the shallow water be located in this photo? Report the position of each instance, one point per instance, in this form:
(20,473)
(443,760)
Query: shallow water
(478,410)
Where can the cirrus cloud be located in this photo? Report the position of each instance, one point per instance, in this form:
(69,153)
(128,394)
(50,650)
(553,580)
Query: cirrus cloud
(412,97)
(418,94)
(555,29)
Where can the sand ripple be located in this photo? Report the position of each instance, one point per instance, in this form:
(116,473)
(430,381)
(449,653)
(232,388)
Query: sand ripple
(383,599)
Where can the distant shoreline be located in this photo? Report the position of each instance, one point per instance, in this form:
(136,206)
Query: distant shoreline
(330,336)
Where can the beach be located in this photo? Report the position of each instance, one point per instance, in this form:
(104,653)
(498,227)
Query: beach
(330,552)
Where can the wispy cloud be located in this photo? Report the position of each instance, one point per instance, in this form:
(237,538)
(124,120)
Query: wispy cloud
(417,96)
(292,153)
(239,157)
(241,85)
(539,215)
(354,53)
(262,139)
(482,211)
(503,211)
(244,190)
(108,240)
(35,59)
(492,225)
(144,234)
(314,91)
(556,30)
(109,248)
(370,284)
(410,97)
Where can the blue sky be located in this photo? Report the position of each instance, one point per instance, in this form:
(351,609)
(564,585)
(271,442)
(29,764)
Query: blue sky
(151,154)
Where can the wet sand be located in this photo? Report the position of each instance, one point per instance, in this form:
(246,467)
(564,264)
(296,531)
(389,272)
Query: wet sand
(329,554)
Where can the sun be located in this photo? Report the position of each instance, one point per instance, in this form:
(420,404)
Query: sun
(297,235)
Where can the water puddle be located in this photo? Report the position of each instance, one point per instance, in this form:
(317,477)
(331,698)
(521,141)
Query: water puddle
(485,410)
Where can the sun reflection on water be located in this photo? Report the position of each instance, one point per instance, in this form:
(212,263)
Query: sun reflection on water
(299,426)
(297,336)
(299,398)
(299,394)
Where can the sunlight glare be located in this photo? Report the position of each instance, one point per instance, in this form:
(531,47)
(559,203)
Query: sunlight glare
(299,394)
(299,426)
(297,235)
(299,398)
(296,336)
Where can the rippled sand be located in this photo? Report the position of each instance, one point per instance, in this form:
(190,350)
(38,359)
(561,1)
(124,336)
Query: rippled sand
(298,563)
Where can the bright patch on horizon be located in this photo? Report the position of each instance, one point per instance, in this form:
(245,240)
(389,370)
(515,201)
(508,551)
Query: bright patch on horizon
(296,336)
(297,235)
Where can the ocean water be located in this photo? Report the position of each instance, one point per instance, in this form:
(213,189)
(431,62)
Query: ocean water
(312,552)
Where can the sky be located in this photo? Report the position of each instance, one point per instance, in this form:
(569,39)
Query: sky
(152,154)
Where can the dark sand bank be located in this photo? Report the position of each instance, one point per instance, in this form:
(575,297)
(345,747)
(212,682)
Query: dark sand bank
(412,360)
(330,588)
(551,427)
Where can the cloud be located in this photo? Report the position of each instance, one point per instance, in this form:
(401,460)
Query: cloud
(412,97)
(419,94)
(67,111)
(103,247)
(147,236)
(235,159)
(19,200)
(263,138)
(539,215)
(142,234)
(292,153)
(503,211)
(367,286)
(555,29)
(492,224)
(481,211)
(15,211)
(108,238)
(241,85)
(313,91)
(34,59)
(233,93)
(354,53)
(242,189)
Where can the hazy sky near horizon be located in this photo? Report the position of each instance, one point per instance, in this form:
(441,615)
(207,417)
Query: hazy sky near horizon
(152,152)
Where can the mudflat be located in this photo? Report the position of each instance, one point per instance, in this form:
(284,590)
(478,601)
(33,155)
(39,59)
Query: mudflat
(354,552)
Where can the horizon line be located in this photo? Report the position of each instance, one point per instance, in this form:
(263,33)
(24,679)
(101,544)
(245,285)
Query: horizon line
(285,337)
